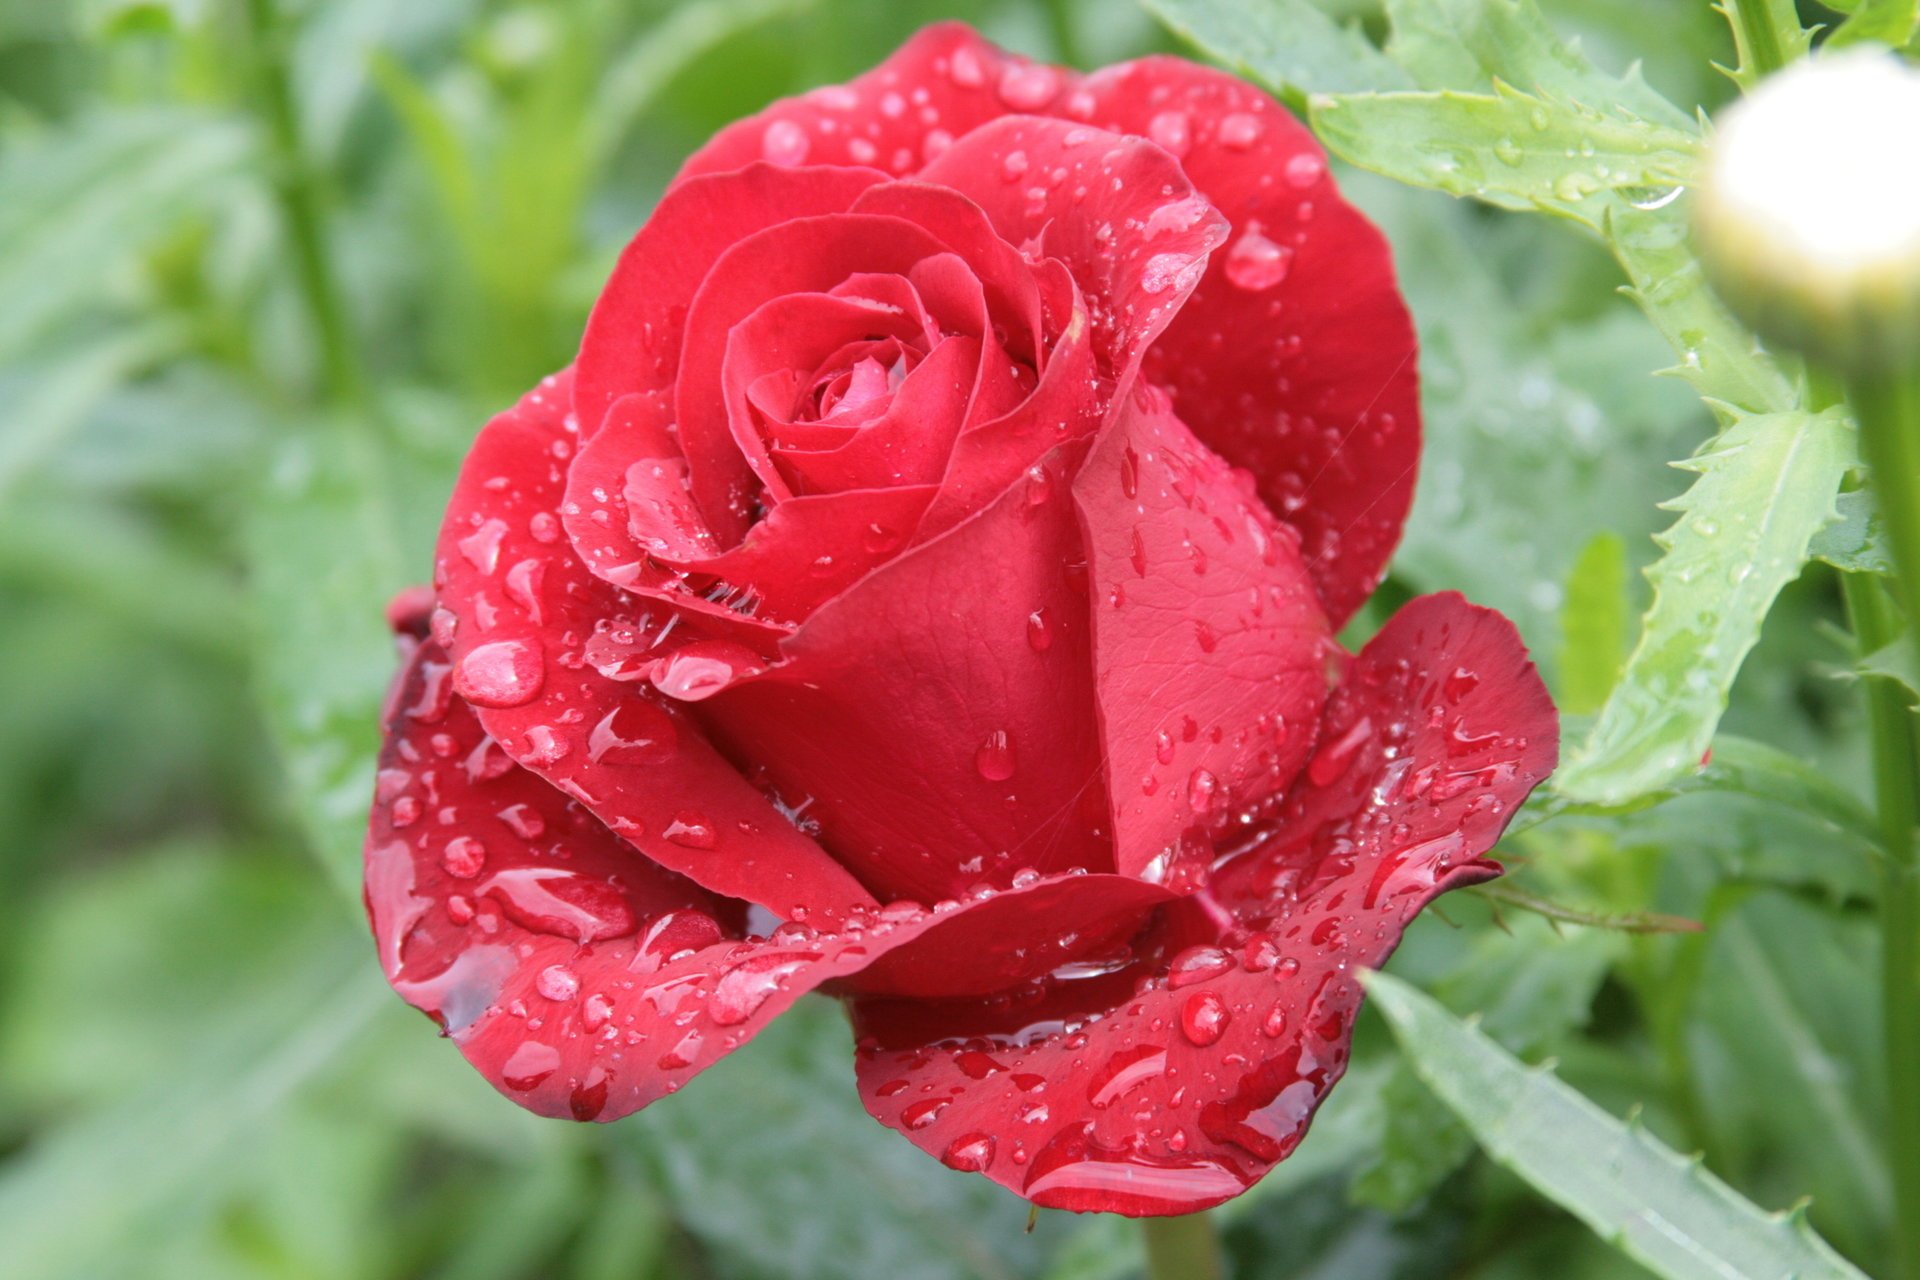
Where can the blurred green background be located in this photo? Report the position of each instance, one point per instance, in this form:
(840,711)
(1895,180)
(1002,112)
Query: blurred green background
(266,265)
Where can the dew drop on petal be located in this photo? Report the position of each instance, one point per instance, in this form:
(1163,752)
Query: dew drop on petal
(1204,1018)
(1240,131)
(501,673)
(692,830)
(557,982)
(1255,262)
(969,1153)
(994,759)
(784,143)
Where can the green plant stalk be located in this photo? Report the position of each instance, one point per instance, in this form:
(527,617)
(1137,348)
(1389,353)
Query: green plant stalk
(1758,36)
(297,187)
(1887,407)
(1183,1248)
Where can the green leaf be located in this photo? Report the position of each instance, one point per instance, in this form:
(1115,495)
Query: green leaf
(1717,355)
(1888,22)
(1897,660)
(1766,486)
(1593,625)
(1508,148)
(1857,541)
(1657,1207)
(1291,46)
(1473,45)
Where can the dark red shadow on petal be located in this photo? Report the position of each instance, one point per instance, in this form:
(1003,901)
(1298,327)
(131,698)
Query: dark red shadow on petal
(1175,1080)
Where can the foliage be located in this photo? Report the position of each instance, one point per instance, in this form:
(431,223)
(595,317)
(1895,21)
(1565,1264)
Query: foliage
(200,520)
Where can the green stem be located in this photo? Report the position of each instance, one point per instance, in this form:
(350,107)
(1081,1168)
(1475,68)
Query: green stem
(1887,407)
(302,207)
(1759,39)
(1183,1248)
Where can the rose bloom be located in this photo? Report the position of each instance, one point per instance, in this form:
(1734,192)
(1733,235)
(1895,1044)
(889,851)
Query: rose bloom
(922,588)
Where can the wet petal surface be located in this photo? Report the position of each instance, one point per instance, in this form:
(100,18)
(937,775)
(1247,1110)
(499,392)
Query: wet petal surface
(1171,1074)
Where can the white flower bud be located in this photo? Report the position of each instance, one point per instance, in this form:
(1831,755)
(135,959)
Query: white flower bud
(1808,217)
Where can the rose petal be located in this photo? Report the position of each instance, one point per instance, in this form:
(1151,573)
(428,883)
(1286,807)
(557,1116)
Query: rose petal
(1175,1082)
(632,340)
(894,116)
(1117,210)
(1295,356)
(579,978)
(802,255)
(942,734)
(527,620)
(1210,649)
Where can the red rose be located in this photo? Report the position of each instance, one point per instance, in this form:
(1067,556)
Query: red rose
(923,588)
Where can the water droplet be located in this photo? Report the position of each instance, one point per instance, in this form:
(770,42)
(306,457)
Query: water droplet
(1171,130)
(1124,1072)
(1240,131)
(1459,684)
(691,830)
(482,546)
(994,759)
(562,903)
(464,857)
(1028,86)
(923,1113)
(1197,964)
(784,143)
(1129,472)
(1332,760)
(743,989)
(635,732)
(1202,790)
(501,673)
(699,670)
(1304,169)
(1204,1018)
(1274,1025)
(965,69)
(1255,262)
(1039,630)
(558,983)
(969,1154)
(528,1065)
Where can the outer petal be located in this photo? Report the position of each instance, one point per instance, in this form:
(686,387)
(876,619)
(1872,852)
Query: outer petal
(936,87)
(936,718)
(1116,210)
(578,977)
(1210,649)
(1295,356)
(524,623)
(1174,1082)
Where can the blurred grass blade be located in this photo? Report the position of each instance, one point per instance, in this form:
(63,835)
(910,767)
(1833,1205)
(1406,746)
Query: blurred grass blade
(1292,46)
(1664,1211)
(81,200)
(60,396)
(1766,486)
(1593,624)
(648,67)
(99,1184)
(1508,148)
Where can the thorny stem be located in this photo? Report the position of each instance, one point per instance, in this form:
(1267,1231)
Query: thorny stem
(1183,1248)
(1887,407)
